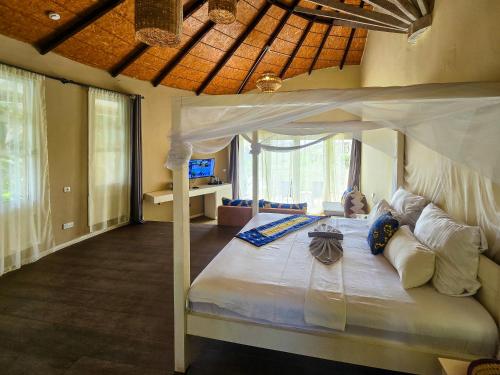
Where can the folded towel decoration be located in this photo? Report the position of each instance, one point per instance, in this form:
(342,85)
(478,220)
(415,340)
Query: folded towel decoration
(325,245)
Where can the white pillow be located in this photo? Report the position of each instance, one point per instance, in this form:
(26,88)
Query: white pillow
(381,208)
(457,247)
(409,205)
(413,260)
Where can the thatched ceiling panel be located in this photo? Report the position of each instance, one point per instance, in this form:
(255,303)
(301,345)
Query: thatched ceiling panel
(207,52)
(306,52)
(110,41)
(282,46)
(247,51)
(195,62)
(257,39)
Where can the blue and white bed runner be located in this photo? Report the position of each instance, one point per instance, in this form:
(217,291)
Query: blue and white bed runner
(264,234)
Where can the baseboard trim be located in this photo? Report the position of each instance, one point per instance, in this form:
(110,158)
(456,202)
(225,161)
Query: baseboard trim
(196,215)
(82,238)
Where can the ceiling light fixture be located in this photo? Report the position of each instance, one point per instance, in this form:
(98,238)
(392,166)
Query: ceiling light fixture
(222,11)
(158,22)
(54,16)
(269,82)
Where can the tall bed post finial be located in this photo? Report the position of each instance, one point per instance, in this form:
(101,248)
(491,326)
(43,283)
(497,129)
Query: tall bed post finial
(181,254)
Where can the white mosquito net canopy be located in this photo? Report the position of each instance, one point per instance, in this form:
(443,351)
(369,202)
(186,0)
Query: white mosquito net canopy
(461,121)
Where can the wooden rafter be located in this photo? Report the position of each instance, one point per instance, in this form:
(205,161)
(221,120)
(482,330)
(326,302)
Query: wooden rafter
(128,60)
(408,8)
(142,48)
(267,46)
(342,19)
(380,18)
(297,47)
(229,53)
(320,48)
(73,27)
(423,5)
(389,8)
(349,42)
(183,52)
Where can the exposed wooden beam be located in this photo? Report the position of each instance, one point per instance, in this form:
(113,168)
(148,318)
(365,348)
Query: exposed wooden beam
(297,48)
(183,52)
(142,48)
(349,42)
(321,45)
(387,7)
(351,21)
(137,52)
(369,15)
(233,48)
(252,69)
(424,7)
(408,8)
(268,44)
(63,33)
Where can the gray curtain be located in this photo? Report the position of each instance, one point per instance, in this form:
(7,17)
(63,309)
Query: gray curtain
(233,166)
(355,165)
(136,139)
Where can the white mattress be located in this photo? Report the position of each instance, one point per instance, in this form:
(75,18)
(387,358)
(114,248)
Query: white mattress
(271,284)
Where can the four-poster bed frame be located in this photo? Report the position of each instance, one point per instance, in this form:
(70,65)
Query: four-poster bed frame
(338,346)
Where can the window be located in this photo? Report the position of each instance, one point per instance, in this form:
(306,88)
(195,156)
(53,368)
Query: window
(24,192)
(109,158)
(313,174)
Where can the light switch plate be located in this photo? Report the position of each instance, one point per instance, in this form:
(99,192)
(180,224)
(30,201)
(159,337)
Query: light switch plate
(67,189)
(68,225)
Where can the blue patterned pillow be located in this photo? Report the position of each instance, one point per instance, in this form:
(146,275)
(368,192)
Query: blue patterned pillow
(240,202)
(381,232)
(291,206)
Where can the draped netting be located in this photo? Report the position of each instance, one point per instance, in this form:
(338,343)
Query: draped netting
(459,120)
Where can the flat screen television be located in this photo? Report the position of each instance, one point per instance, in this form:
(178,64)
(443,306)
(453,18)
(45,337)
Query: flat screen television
(200,168)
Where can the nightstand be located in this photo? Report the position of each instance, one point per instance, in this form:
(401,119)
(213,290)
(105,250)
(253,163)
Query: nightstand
(453,366)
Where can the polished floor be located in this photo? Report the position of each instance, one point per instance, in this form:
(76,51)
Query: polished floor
(105,306)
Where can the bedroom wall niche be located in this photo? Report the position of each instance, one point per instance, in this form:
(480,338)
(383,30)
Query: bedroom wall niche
(68,140)
(448,52)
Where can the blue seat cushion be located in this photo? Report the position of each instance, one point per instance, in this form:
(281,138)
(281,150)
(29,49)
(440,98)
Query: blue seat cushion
(290,206)
(381,232)
(240,202)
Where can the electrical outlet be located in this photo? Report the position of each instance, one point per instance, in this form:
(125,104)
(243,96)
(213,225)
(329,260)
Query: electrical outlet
(68,225)
(67,189)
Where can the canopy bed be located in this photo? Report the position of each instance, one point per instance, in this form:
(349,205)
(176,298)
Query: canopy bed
(300,307)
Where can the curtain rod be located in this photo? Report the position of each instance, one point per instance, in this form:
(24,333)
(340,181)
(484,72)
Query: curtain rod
(69,81)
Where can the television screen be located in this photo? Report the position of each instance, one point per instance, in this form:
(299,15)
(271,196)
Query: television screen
(199,168)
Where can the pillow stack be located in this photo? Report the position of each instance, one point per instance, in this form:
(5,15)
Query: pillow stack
(409,206)
(457,248)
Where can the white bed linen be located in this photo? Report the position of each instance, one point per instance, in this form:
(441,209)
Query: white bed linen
(376,302)
(280,282)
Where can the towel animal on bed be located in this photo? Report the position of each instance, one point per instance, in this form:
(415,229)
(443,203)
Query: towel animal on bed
(325,245)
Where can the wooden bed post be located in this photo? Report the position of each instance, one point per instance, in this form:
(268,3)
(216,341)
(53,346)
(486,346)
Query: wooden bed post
(181,255)
(255,174)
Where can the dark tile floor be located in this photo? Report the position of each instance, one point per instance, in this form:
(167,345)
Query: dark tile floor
(105,306)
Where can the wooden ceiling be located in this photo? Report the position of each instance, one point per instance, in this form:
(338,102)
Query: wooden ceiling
(287,37)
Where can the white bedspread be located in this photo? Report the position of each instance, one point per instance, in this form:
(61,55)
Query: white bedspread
(283,284)
(279,283)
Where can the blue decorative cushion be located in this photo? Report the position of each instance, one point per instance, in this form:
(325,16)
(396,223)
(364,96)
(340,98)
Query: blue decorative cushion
(290,206)
(381,232)
(240,202)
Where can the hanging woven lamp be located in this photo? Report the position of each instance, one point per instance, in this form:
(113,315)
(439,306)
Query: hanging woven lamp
(222,11)
(158,22)
(269,82)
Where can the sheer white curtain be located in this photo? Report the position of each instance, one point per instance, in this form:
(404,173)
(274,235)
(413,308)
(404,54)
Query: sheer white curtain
(109,159)
(313,174)
(25,220)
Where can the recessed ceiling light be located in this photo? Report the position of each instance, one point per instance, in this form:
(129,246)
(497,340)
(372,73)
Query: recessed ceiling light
(54,16)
